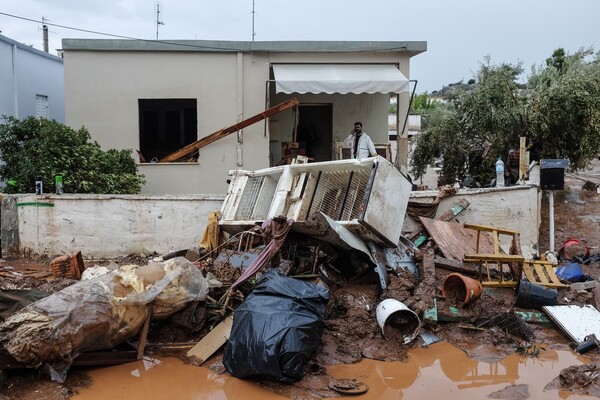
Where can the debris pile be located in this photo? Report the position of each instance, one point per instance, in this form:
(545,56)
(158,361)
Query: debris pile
(306,266)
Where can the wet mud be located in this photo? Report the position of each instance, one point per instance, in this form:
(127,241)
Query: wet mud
(440,371)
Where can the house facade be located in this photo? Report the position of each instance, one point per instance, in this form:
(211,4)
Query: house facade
(31,82)
(158,97)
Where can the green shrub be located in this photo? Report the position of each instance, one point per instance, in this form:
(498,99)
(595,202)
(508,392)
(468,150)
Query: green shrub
(40,147)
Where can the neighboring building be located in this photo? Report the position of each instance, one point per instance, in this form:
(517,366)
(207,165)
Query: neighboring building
(155,98)
(31,82)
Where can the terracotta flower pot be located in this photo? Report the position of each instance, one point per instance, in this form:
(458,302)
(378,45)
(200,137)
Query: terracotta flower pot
(461,288)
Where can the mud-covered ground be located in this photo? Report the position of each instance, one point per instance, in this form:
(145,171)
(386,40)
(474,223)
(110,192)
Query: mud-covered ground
(351,331)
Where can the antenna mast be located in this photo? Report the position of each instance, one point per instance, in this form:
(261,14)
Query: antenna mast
(253,33)
(158,21)
(45,34)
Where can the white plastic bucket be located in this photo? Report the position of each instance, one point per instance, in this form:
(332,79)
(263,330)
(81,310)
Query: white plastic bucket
(396,319)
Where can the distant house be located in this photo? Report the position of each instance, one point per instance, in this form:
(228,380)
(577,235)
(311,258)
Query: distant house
(31,82)
(157,97)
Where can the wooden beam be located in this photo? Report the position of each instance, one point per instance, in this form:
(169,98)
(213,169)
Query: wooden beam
(211,342)
(213,137)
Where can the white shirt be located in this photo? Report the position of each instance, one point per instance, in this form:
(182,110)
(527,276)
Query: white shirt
(366,148)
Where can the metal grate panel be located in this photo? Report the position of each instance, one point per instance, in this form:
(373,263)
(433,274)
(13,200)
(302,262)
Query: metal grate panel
(339,194)
(249,198)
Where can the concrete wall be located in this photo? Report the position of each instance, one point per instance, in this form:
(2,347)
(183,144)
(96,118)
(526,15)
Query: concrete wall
(103,225)
(515,207)
(26,72)
(111,226)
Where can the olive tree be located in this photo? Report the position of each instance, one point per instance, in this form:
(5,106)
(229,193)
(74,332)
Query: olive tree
(40,147)
(559,106)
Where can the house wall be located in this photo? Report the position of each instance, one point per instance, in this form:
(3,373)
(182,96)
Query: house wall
(25,72)
(103,225)
(103,87)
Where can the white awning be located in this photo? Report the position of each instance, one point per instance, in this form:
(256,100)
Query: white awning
(339,78)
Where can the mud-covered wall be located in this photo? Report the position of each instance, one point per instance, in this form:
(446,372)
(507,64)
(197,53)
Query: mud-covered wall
(103,225)
(111,226)
(515,207)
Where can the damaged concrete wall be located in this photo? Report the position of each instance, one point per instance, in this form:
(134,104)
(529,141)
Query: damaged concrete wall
(9,223)
(116,225)
(515,207)
(103,225)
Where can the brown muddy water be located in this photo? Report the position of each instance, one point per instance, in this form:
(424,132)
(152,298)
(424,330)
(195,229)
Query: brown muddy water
(440,371)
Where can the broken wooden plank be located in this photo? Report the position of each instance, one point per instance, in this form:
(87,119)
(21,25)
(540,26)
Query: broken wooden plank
(213,137)
(427,286)
(457,266)
(144,334)
(454,241)
(211,342)
(457,208)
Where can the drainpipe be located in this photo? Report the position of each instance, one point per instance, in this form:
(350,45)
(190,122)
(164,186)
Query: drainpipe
(401,140)
(15,81)
(551,222)
(240,107)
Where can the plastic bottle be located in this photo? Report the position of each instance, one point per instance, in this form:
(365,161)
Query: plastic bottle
(499,173)
(59,184)
(39,185)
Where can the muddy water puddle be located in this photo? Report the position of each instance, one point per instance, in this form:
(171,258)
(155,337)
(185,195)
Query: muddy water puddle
(440,371)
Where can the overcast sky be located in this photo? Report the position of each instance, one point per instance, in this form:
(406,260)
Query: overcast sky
(459,33)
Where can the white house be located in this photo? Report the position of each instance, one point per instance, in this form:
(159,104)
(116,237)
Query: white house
(31,82)
(156,97)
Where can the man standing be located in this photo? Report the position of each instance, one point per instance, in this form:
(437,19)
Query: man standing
(361,145)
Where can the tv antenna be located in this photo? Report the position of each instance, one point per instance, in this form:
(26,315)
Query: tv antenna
(158,21)
(253,33)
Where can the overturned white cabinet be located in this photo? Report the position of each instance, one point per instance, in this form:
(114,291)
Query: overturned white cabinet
(368,197)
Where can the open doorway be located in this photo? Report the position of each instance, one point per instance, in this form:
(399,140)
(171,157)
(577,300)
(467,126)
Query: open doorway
(315,125)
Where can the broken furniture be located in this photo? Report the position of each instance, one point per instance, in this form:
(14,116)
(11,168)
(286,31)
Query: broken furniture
(541,272)
(368,197)
(355,205)
(496,258)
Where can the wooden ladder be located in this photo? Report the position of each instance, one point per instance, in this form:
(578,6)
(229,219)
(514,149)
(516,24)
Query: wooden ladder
(514,261)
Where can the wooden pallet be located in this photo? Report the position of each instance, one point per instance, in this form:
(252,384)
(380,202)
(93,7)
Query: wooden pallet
(542,273)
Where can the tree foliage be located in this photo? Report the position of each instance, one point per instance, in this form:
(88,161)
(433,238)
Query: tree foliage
(45,148)
(559,106)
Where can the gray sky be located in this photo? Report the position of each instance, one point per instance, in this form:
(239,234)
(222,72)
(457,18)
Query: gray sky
(459,33)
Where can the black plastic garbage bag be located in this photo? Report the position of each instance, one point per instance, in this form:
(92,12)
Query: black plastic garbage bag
(276,329)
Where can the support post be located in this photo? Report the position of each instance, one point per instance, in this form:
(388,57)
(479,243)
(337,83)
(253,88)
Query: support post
(551,220)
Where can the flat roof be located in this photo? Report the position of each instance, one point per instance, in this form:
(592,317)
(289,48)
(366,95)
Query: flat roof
(30,49)
(411,47)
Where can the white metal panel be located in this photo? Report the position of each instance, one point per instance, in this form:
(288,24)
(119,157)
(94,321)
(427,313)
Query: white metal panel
(387,200)
(339,78)
(577,322)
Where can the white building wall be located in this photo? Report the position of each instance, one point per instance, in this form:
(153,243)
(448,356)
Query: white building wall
(26,72)
(103,88)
